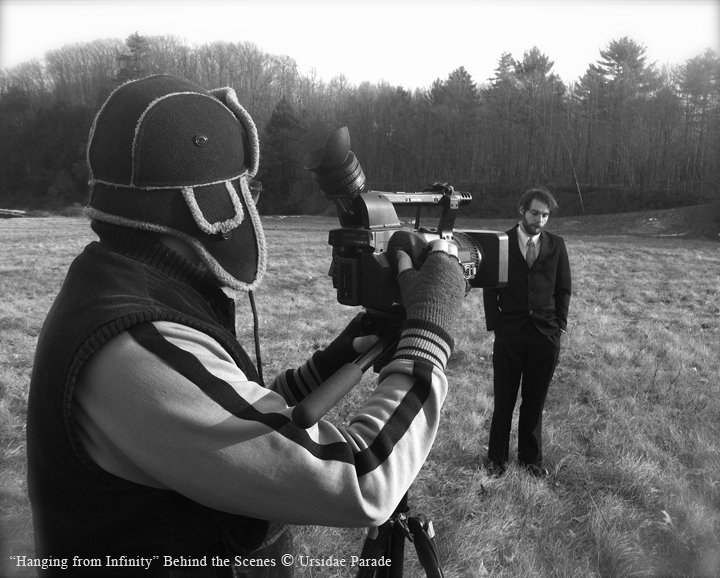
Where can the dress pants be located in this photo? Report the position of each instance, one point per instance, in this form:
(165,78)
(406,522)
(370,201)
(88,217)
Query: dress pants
(524,358)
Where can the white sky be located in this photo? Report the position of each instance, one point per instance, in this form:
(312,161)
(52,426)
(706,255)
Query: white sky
(409,43)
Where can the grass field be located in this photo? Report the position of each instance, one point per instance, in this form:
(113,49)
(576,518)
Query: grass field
(632,422)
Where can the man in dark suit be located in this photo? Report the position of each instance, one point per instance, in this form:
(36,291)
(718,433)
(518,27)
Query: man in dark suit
(528,317)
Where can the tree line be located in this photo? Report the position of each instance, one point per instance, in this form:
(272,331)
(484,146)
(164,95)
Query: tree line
(625,135)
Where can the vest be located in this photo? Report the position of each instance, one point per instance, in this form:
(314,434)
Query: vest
(79,509)
(530,294)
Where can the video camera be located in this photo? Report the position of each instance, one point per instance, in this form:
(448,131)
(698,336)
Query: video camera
(361,269)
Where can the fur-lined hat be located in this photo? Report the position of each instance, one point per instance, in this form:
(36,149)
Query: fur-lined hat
(165,155)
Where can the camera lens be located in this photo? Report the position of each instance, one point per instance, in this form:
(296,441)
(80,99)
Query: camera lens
(345,181)
(336,169)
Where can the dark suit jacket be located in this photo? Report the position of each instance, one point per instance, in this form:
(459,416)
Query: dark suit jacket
(539,294)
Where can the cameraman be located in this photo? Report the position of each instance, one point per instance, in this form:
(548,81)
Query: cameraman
(148,433)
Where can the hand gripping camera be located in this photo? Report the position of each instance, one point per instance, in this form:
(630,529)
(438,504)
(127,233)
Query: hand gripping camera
(361,269)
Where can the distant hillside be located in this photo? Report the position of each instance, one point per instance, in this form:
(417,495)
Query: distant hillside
(692,222)
(697,221)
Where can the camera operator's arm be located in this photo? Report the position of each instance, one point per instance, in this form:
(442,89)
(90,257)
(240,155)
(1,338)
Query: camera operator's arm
(295,384)
(165,406)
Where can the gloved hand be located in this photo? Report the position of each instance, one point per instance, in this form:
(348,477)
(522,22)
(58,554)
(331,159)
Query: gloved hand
(353,340)
(433,292)
(432,295)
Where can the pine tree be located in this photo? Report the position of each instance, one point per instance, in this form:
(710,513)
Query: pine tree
(133,62)
(281,162)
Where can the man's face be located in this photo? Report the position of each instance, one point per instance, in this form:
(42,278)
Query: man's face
(536,217)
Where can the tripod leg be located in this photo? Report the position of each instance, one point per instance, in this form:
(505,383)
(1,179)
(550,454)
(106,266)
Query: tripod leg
(424,539)
(396,553)
(386,541)
(376,545)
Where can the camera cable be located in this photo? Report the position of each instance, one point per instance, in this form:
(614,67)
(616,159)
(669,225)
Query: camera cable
(256,334)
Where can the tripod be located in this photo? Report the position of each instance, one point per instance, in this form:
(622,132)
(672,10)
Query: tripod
(384,547)
(383,552)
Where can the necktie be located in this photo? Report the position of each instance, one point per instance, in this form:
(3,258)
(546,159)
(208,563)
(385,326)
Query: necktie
(530,254)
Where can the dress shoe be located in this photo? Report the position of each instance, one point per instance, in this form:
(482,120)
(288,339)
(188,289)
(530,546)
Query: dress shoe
(537,471)
(493,469)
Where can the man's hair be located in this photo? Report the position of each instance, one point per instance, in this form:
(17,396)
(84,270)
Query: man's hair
(541,194)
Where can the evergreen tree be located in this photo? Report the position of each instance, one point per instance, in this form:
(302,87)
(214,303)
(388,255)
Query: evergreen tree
(587,101)
(454,115)
(699,85)
(133,62)
(624,68)
(281,159)
(627,82)
(541,106)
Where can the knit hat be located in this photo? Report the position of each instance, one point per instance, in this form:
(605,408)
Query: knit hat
(165,155)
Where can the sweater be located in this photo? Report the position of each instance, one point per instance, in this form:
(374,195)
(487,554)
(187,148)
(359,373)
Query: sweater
(147,426)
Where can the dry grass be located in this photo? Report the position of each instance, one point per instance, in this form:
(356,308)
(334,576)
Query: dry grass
(632,422)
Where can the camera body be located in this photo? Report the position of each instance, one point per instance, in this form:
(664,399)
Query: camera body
(361,269)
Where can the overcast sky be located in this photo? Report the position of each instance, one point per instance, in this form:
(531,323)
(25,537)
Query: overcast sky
(409,43)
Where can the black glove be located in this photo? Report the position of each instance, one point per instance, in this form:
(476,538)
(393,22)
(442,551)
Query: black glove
(341,351)
(432,296)
(434,292)
(430,278)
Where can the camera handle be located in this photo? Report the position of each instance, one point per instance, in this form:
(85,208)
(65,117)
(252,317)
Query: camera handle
(324,397)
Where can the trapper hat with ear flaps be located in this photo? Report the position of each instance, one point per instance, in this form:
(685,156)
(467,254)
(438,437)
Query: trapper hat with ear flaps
(165,155)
